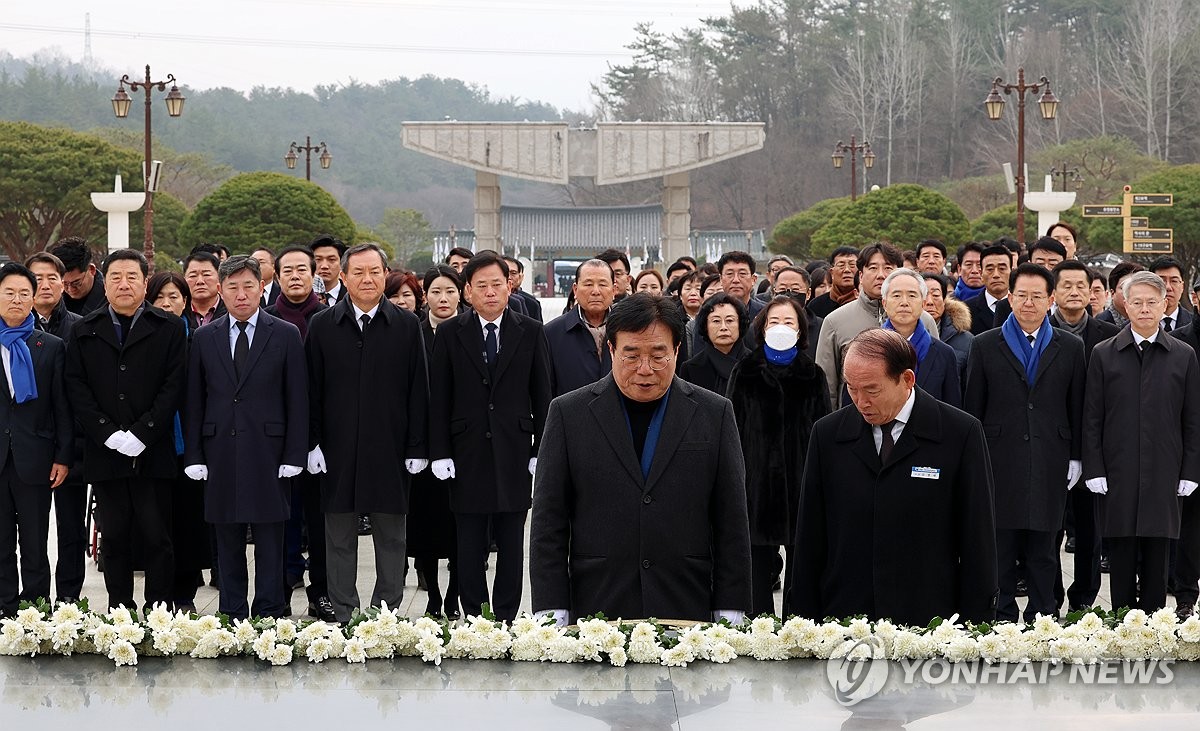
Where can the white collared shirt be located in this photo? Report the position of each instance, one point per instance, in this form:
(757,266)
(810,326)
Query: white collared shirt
(359,313)
(1033,334)
(991,301)
(1138,339)
(900,421)
(1174,317)
(335,294)
(484,323)
(250,328)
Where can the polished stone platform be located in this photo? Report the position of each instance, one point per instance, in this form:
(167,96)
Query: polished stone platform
(180,693)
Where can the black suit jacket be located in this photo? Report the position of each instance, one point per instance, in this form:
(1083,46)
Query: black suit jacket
(269,298)
(1033,432)
(982,317)
(533,307)
(1095,332)
(877,539)
(368,405)
(575,360)
(39,433)
(243,428)
(489,420)
(1183,319)
(675,544)
(135,386)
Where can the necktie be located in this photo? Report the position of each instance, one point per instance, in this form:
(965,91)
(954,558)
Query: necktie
(489,344)
(365,319)
(1167,323)
(241,349)
(1031,339)
(885,449)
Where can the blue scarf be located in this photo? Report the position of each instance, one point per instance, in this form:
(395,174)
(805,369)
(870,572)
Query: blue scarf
(781,357)
(1028,355)
(652,434)
(962,292)
(920,340)
(20,361)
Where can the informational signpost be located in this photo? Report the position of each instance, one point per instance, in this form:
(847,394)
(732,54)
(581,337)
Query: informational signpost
(1138,237)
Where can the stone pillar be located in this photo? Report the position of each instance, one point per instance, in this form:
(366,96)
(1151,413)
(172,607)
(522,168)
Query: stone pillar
(677,216)
(487,211)
(118,205)
(1048,205)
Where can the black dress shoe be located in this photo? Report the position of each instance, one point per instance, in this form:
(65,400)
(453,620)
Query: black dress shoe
(364,525)
(1104,565)
(1070,547)
(1183,612)
(322,609)
(1022,588)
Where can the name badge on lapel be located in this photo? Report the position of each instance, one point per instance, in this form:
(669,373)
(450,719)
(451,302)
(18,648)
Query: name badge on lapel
(926,473)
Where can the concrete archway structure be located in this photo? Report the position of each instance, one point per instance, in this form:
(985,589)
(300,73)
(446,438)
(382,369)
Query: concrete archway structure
(610,152)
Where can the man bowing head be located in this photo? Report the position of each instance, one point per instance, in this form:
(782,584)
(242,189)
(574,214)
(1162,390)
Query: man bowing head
(639,501)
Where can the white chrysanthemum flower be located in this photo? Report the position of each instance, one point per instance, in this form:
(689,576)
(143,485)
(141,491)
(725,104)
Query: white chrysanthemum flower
(166,641)
(103,637)
(859,629)
(523,625)
(617,657)
(132,633)
(762,624)
(122,653)
(962,649)
(280,655)
(1164,621)
(265,643)
(158,619)
(642,651)
(244,632)
(427,625)
(1135,618)
(1090,623)
(120,616)
(431,649)
(67,614)
(355,650)
(319,650)
(643,632)
(63,636)
(285,629)
(677,657)
(1189,630)
(368,632)
(695,640)
(563,649)
(722,652)
(29,617)
(526,648)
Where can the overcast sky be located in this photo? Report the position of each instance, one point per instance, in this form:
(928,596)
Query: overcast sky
(543,50)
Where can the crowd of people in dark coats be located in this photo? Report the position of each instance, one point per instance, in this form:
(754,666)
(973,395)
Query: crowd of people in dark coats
(917,432)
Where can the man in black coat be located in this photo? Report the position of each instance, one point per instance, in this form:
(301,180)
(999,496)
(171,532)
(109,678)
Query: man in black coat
(490,379)
(247,433)
(1187,550)
(640,502)
(576,337)
(368,404)
(1025,384)
(895,525)
(125,377)
(36,443)
(1072,282)
(70,498)
(84,288)
(997,265)
(1141,425)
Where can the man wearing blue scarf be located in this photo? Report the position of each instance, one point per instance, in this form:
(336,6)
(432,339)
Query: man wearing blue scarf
(35,443)
(1025,383)
(970,272)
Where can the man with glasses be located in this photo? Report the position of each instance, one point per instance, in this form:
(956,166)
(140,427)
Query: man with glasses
(1025,383)
(639,500)
(81,292)
(843,282)
(738,279)
(1141,423)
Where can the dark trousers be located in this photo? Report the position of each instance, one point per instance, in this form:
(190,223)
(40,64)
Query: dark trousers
(508,531)
(293,537)
(1187,553)
(1123,556)
(24,517)
(1085,511)
(765,564)
(70,519)
(341,545)
(268,570)
(428,567)
(141,506)
(1037,549)
(309,488)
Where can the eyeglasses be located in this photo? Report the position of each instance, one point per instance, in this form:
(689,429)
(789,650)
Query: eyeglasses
(845,265)
(657,362)
(1143,304)
(791,290)
(1029,297)
(19,296)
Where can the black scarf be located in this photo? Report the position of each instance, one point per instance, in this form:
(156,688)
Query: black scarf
(297,314)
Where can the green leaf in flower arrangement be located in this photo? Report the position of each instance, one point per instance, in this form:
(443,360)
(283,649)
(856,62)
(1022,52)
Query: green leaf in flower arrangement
(933,623)
(485,611)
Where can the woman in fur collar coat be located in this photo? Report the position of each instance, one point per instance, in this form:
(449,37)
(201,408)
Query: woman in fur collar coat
(778,393)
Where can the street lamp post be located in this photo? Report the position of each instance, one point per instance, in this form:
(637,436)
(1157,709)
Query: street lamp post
(994,104)
(121,102)
(854,148)
(1071,174)
(308,148)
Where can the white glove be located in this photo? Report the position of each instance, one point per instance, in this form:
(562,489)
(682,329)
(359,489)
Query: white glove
(132,446)
(1074,472)
(196,472)
(532,465)
(1098,485)
(443,469)
(1186,487)
(316,461)
(117,440)
(734,616)
(415,465)
(561,616)
(288,470)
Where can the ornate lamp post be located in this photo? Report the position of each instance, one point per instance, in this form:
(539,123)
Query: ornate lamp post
(308,148)
(1068,173)
(994,104)
(854,148)
(121,102)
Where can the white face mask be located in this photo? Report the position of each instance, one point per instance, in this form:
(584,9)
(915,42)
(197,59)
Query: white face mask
(781,337)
